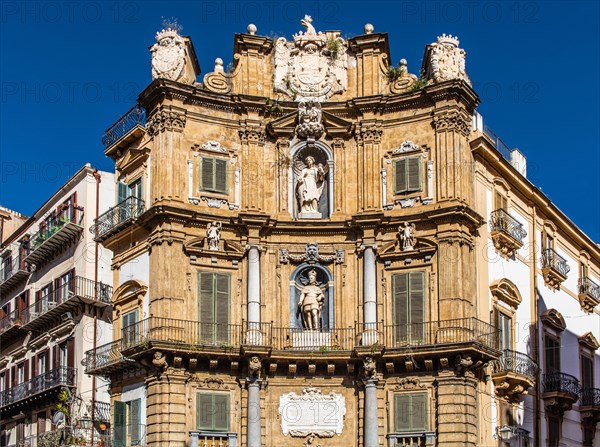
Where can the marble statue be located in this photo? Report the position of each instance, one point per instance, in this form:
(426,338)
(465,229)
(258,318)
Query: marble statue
(213,235)
(311,302)
(168,55)
(406,234)
(309,188)
(309,119)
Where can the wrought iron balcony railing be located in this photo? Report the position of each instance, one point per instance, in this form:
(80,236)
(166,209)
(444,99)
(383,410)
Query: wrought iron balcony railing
(562,383)
(136,116)
(498,143)
(11,267)
(587,286)
(78,287)
(500,220)
(461,330)
(106,356)
(551,259)
(62,376)
(515,362)
(116,217)
(213,439)
(10,320)
(590,397)
(323,340)
(53,225)
(425,439)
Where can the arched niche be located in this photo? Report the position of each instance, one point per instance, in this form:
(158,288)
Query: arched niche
(298,280)
(322,155)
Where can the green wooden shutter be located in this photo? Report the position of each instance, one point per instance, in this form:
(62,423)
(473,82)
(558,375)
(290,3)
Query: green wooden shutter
(129,327)
(503,325)
(204,411)
(416,287)
(206,307)
(400,180)
(400,307)
(134,422)
(207,179)
(221,412)
(220,175)
(413,173)
(122,192)
(222,287)
(119,426)
(410,412)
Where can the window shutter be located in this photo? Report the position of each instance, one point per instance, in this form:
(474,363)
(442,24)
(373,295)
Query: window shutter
(221,175)
(413,173)
(410,412)
(418,411)
(56,357)
(222,307)
(204,411)
(400,306)
(401,410)
(587,372)
(400,180)
(207,173)
(34,366)
(119,428)
(47,356)
(122,192)
(221,412)
(26,371)
(71,353)
(206,306)
(416,288)
(134,421)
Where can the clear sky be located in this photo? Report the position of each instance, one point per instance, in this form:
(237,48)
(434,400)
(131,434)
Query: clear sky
(69,69)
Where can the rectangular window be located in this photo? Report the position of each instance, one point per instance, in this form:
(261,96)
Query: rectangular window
(503,324)
(212,412)
(587,371)
(133,422)
(407,175)
(65,286)
(130,328)
(42,363)
(213,174)
(500,201)
(20,373)
(408,307)
(410,412)
(213,307)
(119,424)
(552,353)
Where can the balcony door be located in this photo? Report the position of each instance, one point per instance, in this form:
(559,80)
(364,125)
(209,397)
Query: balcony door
(213,308)
(408,307)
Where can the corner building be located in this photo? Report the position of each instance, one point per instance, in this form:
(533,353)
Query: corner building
(299,251)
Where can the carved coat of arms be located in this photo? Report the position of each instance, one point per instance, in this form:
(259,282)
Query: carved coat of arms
(312,66)
(448,60)
(168,55)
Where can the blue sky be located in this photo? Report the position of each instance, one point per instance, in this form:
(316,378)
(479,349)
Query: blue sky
(69,69)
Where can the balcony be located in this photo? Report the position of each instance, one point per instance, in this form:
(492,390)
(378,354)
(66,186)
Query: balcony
(513,374)
(107,359)
(10,322)
(213,439)
(325,341)
(26,392)
(554,268)
(55,233)
(589,294)
(117,218)
(442,336)
(507,233)
(130,126)
(560,391)
(13,271)
(589,405)
(411,439)
(68,297)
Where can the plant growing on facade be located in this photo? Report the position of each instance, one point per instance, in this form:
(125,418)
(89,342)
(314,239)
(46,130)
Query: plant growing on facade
(393,73)
(333,45)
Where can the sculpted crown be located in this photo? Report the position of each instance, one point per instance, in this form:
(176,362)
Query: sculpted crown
(166,33)
(448,39)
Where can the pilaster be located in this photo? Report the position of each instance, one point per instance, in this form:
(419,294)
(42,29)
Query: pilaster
(456,417)
(166,409)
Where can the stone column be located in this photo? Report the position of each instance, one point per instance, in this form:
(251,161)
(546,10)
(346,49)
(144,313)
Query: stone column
(253,294)
(371,422)
(456,410)
(369,295)
(253,383)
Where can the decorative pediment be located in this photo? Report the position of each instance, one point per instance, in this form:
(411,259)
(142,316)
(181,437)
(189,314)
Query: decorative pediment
(199,246)
(506,291)
(423,251)
(132,159)
(589,341)
(335,127)
(554,319)
(129,291)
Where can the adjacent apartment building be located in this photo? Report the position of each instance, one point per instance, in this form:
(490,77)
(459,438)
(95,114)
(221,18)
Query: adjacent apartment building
(55,292)
(317,248)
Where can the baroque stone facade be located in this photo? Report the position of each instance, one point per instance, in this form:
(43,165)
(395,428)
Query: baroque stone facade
(302,234)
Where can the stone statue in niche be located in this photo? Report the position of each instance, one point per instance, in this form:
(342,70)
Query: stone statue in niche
(309,187)
(406,234)
(168,55)
(213,235)
(309,119)
(311,303)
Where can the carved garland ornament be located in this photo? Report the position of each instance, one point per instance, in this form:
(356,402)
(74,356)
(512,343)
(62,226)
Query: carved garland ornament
(311,255)
(165,120)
